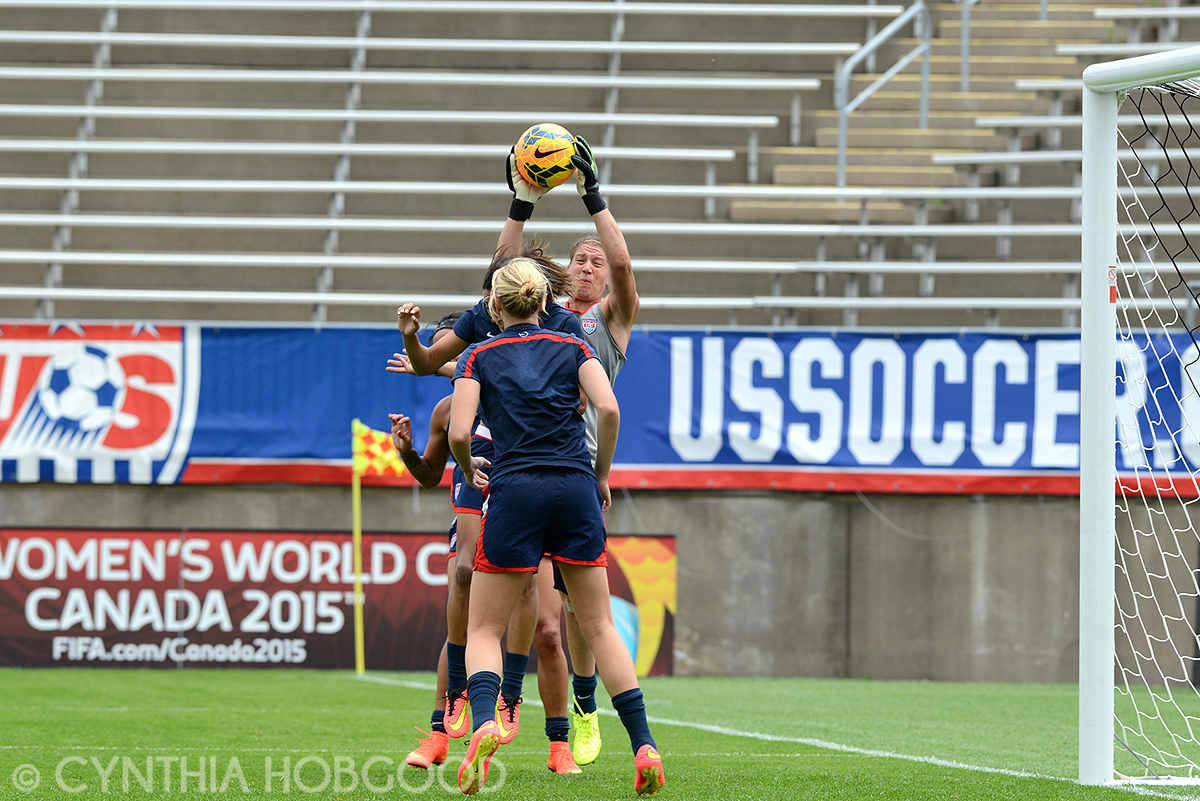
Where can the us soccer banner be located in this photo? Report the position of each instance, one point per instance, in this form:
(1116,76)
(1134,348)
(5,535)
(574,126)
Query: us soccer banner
(740,408)
(275,598)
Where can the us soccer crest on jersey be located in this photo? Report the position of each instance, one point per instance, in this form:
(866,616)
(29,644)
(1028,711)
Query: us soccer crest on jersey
(589,326)
(95,403)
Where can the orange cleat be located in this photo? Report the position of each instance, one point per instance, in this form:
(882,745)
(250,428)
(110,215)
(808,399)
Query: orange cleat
(649,778)
(433,750)
(458,714)
(561,760)
(472,774)
(508,717)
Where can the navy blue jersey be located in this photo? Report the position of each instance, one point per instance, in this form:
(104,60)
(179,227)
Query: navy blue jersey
(529,391)
(476,324)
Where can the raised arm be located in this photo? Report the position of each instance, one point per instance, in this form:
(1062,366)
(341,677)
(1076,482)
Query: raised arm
(425,360)
(525,195)
(622,303)
(429,467)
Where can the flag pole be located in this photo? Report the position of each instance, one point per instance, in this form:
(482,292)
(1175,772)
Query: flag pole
(359,657)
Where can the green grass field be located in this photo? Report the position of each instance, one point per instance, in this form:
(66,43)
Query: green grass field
(81,733)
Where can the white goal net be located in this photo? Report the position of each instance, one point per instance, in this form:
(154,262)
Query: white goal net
(1154,288)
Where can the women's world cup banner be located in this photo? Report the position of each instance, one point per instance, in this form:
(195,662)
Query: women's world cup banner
(923,412)
(237,598)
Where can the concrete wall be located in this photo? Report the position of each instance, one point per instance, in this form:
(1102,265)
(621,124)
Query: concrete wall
(770,584)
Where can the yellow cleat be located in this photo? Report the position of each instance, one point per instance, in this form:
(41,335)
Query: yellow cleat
(587,736)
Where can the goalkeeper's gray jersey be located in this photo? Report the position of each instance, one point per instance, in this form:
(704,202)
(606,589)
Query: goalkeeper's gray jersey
(612,359)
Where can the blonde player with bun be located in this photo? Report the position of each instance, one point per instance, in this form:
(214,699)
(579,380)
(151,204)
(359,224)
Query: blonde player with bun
(544,497)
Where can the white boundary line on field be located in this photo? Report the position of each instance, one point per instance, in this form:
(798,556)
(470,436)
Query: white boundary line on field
(848,749)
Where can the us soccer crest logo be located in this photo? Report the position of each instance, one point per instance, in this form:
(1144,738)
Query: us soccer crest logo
(96,404)
(589,326)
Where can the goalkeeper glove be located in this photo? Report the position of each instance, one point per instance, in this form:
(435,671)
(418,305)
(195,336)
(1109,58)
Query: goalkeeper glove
(525,194)
(586,177)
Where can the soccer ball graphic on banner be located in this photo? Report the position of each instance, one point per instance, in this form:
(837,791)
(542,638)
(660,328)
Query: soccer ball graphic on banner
(544,155)
(81,389)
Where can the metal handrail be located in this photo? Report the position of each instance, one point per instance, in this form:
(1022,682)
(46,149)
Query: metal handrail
(918,13)
(964,44)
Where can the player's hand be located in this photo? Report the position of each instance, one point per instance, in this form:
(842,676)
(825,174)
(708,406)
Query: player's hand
(525,194)
(401,432)
(479,479)
(605,494)
(400,363)
(587,177)
(408,319)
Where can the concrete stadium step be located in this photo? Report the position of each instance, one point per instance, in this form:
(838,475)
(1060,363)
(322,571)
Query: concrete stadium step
(870,175)
(987,47)
(769,158)
(948,120)
(910,81)
(930,138)
(1021,11)
(976,102)
(1048,66)
(1093,30)
(802,211)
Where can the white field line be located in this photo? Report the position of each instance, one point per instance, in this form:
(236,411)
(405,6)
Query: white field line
(845,749)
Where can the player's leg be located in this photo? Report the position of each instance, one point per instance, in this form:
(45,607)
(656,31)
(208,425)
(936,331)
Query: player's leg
(521,625)
(587,586)
(552,671)
(509,549)
(435,747)
(585,718)
(496,594)
(457,722)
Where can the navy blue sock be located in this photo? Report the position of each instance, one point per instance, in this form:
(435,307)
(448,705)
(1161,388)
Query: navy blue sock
(557,729)
(437,720)
(456,667)
(632,709)
(483,688)
(584,688)
(514,673)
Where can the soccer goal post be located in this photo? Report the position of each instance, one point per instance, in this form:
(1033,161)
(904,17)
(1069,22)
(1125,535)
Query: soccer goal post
(1139,710)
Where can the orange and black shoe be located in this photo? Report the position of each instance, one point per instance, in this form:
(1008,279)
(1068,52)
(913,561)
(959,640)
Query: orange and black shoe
(561,760)
(433,750)
(649,778)
(472,774)
(458,714)
(508,717)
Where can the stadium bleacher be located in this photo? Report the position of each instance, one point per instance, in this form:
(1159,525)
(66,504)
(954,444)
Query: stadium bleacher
(207,138)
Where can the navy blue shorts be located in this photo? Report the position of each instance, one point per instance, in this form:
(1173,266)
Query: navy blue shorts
(464,497)
(534,512)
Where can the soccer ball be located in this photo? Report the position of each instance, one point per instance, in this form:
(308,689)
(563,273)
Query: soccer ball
(544,155)
(81,389)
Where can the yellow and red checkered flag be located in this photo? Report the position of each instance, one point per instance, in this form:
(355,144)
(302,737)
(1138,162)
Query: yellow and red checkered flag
(374,453)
